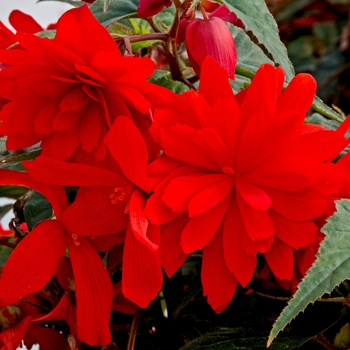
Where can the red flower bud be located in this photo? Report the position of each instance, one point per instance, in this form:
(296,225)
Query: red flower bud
(148,8)
(211,37)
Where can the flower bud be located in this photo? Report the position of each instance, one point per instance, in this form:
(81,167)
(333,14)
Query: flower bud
(148,8)
(211,37)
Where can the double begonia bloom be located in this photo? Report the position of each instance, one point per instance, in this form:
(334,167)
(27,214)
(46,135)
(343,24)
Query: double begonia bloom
(67,92)
(112,200)
(38,256)
(241,175)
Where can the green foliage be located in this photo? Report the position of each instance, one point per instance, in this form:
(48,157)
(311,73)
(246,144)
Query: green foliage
(36,209)
(163,78)
(13,192)
(107,12)
(4,210)
(70,2)
(12,160)
(331,267)
(261,25)
(237,338)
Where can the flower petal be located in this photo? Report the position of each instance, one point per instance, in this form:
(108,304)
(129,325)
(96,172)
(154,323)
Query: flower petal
(219,284)
(33,262)
(138,222)
(202,228)
(125,143)
(142,274)
(94,293)
(280,259)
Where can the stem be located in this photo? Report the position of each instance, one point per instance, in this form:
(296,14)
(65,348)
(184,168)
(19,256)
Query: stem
(204,13)
(153,25)
(144,37)
(133,330)
(323,341)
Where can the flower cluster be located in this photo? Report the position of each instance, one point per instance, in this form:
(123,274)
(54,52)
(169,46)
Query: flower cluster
(158,176)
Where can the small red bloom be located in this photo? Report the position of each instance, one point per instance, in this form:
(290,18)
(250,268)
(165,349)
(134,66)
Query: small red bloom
(112,200)
(68,92)
(240,177)
(36,259)
(211,37)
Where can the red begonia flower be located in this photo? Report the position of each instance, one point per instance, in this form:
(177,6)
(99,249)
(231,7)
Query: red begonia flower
(242,177)
(36,259)
(67,92)
(112,200)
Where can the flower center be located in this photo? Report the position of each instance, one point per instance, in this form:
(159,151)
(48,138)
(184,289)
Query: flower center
(75,239)
(120,194)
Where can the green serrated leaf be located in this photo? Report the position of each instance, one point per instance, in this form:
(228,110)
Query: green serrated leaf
(258,20)
(36,209)
(4,210)
(117,10)
(250,56)
(163,78)
(325,110)
(4,254)
(70,2)
(332,266)
(236,338)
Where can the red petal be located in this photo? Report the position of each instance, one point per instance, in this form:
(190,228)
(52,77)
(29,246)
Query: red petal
(12,337)
(56,172)
(238,261)
(55,195)
(138,222)
(142,274)
(125,142)
(295,234)
(258,224)
(47,338)
(105,243)
(219,284)
(207,148)
(171,254)
(293,99)
(182,189)
(298,205)
(89,35)
(93,292)
(280,259)
(24,23)
(93,213)
(33,262)
(214,84)
(202,228)
(254,196)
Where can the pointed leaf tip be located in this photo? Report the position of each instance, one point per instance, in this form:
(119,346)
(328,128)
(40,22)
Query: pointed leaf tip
(331,267)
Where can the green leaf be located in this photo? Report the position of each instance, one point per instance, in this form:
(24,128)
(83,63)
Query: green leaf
(13,160)
(325,110)
(250,56)
(47,34)
(36,209)
(260,24)
(237,338)
(163,78)
(332,266)
(70,2)
(4,210)
(117,9)
(13,192)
